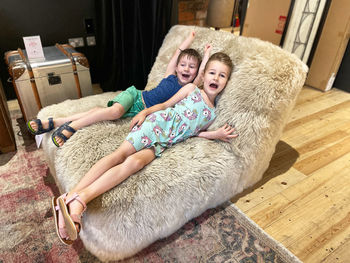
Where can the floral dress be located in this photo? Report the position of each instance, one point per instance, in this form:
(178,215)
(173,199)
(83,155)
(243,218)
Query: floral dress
(163,128)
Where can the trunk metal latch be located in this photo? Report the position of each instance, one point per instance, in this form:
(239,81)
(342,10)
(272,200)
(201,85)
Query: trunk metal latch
(54,79)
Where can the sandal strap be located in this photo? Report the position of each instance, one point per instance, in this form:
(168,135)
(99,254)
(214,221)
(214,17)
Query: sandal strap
(76,218)
(57,207)
(51,124)
(69,128)
(61,135)
(40,125)
(64,126)
(77,198)
(40,129)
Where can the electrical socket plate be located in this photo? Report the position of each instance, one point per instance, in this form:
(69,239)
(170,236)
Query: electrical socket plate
(76,42)
(91,41)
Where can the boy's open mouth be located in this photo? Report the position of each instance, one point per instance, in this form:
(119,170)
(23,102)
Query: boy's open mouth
(186,75)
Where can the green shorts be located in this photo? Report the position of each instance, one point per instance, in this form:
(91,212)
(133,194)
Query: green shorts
(131,100)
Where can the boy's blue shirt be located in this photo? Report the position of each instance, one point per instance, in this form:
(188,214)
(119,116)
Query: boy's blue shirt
(164,91)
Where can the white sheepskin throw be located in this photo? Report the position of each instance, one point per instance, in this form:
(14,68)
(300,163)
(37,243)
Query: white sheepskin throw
(194,175)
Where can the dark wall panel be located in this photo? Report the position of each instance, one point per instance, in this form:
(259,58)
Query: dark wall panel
(54,21)
(342,80)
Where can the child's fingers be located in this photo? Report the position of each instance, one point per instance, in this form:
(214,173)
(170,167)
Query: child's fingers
(228,128)
(231,130)
(140,122)
(230,136)
(133,123)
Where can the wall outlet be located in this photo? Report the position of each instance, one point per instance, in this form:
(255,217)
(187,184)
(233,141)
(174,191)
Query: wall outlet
(76,42)
(91,41)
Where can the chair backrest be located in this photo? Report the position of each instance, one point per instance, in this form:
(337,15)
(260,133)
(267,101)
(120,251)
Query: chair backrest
(259,96)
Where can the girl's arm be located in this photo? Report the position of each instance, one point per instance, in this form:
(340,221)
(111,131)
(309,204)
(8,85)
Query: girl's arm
(224,133)
(182,93)
(172,64)
(198,80)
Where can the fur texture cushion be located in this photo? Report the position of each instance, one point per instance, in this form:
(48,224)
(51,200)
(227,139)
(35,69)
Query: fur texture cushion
(191,176)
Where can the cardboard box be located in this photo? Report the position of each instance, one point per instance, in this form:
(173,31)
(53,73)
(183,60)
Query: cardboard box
(266,19)
(330,47)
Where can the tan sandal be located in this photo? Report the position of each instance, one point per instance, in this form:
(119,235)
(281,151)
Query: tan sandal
(59,221)
(71,220)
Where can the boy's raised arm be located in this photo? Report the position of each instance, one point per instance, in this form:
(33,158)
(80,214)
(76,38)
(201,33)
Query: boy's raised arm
(199,79)
(185,44)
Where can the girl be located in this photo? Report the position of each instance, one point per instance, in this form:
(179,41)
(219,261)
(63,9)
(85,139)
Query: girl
(188,113)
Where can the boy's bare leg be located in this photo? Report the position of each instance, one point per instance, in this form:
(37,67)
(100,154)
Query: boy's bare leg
(111,177)
(59,121)
(93,116)
(111,112)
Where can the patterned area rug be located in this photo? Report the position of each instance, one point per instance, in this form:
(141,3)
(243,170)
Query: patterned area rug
(223,234)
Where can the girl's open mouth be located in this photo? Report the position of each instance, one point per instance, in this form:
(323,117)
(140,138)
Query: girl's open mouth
(213,85)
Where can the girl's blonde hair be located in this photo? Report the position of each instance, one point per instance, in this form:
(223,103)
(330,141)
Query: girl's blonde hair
(223,58)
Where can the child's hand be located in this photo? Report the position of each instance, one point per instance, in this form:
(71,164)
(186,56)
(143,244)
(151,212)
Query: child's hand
(188,41)
(207,48)
(190,37)
(225,133)
(137,120)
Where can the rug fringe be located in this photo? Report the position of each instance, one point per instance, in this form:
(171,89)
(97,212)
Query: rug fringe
(282,251)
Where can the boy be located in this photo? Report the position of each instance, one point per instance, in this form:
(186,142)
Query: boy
(181,70)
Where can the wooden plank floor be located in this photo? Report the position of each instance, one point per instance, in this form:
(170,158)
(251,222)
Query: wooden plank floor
(303,200)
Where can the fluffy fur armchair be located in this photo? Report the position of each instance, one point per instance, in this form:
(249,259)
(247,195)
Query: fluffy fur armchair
(191,176)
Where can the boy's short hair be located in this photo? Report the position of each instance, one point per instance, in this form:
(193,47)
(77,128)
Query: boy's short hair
(191,53)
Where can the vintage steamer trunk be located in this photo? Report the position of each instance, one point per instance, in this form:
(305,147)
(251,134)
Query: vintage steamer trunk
(64,74)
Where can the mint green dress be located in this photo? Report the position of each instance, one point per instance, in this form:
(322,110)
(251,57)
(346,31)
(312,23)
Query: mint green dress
(164,128)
